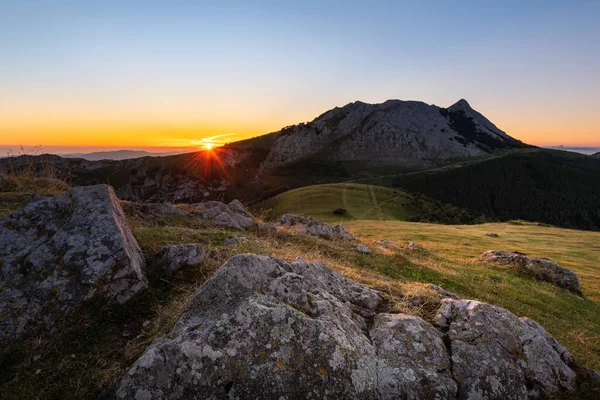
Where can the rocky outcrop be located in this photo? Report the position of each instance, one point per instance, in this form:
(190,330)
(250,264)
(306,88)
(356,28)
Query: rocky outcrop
(295,219)
(233,215)
(324,230)
(265,328)
(496,355)
(174,258)
(159,209)
(311,226)
(444,294)
(387,244)
(61,251)
(544,270)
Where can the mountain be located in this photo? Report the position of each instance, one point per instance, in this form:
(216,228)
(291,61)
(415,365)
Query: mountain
(597,155)
(118,155)
(408,134)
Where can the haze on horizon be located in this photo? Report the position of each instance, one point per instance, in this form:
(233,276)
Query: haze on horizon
(158,75)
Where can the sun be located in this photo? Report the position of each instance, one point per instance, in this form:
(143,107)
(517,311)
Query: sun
(208,146)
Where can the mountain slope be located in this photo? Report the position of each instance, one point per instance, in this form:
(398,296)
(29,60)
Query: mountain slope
(354,201)
(555,187)
(397,133)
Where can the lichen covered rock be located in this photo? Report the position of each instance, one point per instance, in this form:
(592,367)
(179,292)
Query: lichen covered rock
(232,215)
(495,355)
(173,258)
(61,251)
(544,270)
(265,328)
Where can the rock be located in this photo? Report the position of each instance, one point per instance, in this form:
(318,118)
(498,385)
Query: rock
(235,240)
(295,219)
(173,258)
(362,248)
(265,328)
(497,355)
(60,251)
(324,230)
(492,234)
(387,244)
(233,216)
(267,227)
(413,246)
(444,294)
(544,270)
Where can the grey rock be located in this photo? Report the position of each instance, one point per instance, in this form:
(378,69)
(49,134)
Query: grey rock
(412,360)
(235,240)
(444,294)
(173,258)
(61,251)
(233,216)
(267,227)
(413,246)
(387,244)
(265,328)
(295,219)
(364,249)
(544,270)
(497,355)
(492,234)
(324,230)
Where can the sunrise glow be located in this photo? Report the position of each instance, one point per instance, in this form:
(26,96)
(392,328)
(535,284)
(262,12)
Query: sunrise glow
(171,74)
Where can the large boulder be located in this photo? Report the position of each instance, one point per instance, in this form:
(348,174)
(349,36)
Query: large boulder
(61,251)
(544,270)
(265,328)
(496,355)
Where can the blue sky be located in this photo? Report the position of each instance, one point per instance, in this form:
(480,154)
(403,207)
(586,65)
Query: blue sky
(164,73)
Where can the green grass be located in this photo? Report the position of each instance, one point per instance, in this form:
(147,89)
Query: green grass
(361,202)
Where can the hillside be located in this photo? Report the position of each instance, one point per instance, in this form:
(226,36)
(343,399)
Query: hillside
(554,187)
(597,155)
(353,201)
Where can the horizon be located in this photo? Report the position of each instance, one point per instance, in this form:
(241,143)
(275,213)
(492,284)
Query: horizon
(149,76)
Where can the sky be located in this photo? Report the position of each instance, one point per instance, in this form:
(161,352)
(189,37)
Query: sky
(161,74)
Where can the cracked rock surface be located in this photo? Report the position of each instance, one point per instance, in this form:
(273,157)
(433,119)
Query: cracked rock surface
(173,258)
(233,215)
(265,328)
(61,251)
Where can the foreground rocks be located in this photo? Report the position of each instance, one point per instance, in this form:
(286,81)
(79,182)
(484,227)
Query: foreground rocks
(311,226)
(544,270)
(61,251)
(265,328)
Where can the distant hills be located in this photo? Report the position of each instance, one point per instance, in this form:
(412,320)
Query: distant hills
(453,155)
(118,155)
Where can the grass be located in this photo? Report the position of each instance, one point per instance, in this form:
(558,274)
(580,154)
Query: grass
(98,344)
(360,202)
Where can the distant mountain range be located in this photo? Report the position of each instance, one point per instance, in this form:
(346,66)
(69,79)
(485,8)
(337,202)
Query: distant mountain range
(118,155)
(454,155)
